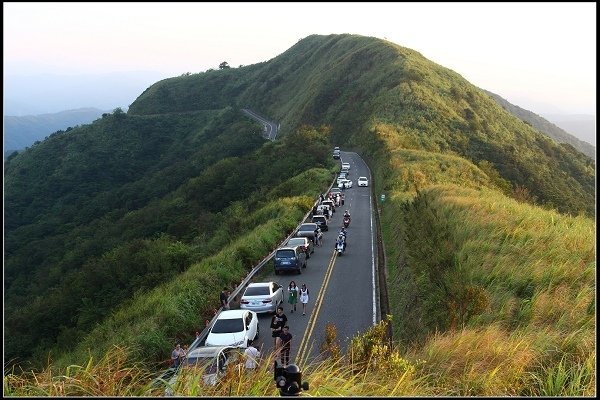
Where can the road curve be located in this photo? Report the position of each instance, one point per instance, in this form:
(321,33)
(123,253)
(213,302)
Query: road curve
(270,126)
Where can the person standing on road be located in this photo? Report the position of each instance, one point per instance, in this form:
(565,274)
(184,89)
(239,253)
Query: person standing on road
(319,237)
(223,297)
(304,297)
(251,354)
(278,321)
(286,345)
(293,295)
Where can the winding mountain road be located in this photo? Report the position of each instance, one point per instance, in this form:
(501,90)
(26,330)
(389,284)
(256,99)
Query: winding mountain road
(270,126)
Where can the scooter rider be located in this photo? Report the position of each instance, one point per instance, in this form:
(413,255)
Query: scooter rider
(340,242)
(342,237)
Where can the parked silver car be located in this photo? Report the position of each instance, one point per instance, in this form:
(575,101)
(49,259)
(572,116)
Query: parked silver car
(262,297)
(210,361)
(304,242)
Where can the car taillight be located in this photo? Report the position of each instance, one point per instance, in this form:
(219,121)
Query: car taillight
(267,301)
(244,302)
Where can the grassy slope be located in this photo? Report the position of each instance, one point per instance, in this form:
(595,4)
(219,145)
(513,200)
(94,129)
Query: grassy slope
(535,334)
(354,84)
(176,309)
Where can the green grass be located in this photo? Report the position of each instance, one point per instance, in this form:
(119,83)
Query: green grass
(535,267)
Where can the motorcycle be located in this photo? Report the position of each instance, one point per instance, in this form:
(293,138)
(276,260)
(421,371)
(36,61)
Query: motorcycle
(346,222)
(340,248)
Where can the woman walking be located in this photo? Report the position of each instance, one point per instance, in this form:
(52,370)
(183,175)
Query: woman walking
(304,297)
(293,295)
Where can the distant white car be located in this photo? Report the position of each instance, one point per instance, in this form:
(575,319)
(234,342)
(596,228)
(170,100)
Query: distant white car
(233,328)
(345,165)
(363,181)
(347,182)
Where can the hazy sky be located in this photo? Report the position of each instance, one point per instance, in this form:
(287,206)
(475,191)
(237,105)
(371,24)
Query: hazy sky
(540,56)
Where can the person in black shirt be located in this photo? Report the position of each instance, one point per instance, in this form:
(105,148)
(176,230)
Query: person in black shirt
(286,345)
(278,321)
(223,297)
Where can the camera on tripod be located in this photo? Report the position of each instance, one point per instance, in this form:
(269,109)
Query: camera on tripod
(289,380)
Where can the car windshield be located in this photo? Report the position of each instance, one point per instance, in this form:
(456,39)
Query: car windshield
(256,291)
(306,228)
(209,364)
(285,254)
(319,218)
(362,179)
(228,325)
(297,242)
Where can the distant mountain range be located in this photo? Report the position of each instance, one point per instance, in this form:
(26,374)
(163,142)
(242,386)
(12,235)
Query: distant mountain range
(21,132)
(52,93)
(581,125)
(550,129)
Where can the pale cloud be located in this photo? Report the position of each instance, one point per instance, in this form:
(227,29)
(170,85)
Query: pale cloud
(542,51)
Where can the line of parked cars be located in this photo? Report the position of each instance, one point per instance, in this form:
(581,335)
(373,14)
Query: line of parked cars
(232,330)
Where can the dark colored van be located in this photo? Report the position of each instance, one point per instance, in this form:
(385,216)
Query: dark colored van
(289,259)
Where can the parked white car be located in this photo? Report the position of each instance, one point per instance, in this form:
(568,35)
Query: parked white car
(345,165)
(233,328)
(347,182)
(363,181)
(263,296)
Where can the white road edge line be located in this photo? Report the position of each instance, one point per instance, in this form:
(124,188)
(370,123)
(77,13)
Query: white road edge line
(373,264)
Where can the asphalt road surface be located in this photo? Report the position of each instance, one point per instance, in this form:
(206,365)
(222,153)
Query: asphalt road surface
(270,127)
(342,288)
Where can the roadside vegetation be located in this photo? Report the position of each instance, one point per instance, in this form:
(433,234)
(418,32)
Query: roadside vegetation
(496,295)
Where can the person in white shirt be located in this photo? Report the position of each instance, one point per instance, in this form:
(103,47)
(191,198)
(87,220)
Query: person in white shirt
(304,297)
(251,354)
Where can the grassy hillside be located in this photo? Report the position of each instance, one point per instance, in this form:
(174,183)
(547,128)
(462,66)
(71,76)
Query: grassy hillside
(125,204)
(487,225)
(355,83)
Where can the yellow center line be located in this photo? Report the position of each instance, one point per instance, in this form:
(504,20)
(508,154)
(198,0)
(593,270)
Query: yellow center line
(315,313)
